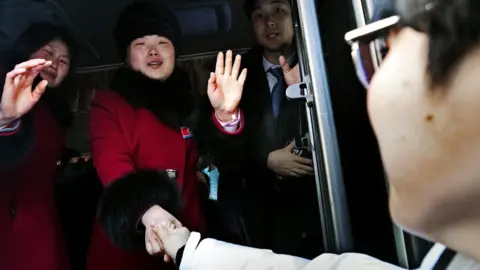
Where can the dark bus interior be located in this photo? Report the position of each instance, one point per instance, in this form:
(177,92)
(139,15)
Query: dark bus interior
(217,25)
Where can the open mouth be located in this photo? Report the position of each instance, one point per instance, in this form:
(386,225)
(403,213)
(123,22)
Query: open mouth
(154,64)
(50,74)
(273,35)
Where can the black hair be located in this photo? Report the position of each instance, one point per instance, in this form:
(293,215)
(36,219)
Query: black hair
(249,7)
(453,28)
(31,40)
(38,35)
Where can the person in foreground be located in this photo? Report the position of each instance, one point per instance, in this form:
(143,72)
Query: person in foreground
(423,105)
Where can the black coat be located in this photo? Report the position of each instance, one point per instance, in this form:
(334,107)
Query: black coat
(272,208)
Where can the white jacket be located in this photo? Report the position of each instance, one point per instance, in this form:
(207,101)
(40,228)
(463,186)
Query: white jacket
(212,254)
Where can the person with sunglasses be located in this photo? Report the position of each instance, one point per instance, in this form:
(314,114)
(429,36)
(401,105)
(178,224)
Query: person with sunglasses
(423,105)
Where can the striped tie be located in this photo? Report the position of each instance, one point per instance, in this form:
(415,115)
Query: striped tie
(278,91)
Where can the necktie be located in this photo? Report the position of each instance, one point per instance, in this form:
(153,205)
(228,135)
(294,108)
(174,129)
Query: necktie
(278,91)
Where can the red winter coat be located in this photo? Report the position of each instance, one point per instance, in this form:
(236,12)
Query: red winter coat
(124,139)
(30,235)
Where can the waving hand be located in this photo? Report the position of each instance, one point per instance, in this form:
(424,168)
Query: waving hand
(225,86)
(18,97)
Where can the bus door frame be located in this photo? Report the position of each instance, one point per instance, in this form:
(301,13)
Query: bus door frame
(315,93)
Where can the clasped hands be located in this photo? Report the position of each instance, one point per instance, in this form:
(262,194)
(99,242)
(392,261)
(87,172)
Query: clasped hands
(164,234)
(155,219)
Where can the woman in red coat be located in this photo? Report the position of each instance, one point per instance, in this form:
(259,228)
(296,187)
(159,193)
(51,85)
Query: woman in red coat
(142,145)
(31,142)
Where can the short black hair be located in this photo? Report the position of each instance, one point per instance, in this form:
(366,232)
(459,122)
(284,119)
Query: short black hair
(453,28)
(249,7)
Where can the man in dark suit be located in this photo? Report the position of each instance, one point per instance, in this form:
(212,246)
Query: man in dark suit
(280,187)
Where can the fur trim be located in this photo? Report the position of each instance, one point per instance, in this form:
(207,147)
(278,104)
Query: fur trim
(125,200)
(146,18)
(171,101)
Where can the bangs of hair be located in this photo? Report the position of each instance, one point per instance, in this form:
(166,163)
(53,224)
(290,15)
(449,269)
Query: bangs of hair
(452,26)
(453,29)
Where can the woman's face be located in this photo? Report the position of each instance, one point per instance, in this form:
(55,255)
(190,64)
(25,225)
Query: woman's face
(154,56)
(57,52)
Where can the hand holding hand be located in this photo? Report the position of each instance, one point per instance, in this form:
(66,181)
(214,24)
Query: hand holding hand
(173,238)
(154,217)
(18,97)
(225,86)
(291,75)
(84,157)
(286,164)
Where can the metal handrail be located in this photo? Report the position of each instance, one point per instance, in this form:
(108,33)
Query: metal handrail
(323,136)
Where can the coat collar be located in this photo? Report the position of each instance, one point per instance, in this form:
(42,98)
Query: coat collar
(171,101)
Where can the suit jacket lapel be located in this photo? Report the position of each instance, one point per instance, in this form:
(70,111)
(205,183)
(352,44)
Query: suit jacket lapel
(273,132)
(286,122)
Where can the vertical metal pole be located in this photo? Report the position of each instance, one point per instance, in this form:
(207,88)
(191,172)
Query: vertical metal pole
(326,156)
(363,11)
(359,12)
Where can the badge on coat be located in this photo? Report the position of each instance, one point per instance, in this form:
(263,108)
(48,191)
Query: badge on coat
(213,175)
(186,133)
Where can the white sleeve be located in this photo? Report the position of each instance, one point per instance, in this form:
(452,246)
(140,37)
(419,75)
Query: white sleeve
(217,255)
(349,261)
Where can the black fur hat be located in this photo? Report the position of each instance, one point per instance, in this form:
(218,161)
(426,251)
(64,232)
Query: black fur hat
(146,18)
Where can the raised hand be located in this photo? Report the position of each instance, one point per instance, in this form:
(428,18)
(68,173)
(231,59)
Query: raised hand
(291,75)
(225,86)
(18,97)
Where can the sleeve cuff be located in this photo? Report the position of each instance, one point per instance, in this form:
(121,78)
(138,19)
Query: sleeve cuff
(11,128)
(125,200)
(139,227)
(234,127)
(179,256)
(186,261)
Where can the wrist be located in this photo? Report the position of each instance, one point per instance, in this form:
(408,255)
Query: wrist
(148,215)
(5,121)
(225,116)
